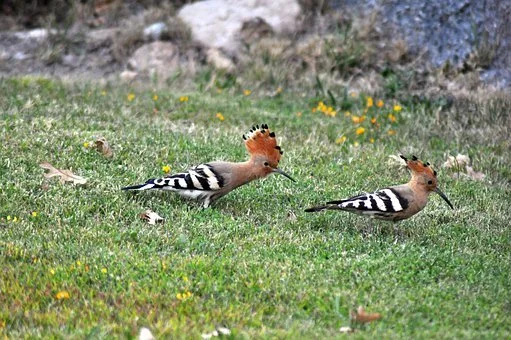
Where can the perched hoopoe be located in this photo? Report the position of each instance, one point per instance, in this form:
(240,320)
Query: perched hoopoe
(394,203)
(210,181)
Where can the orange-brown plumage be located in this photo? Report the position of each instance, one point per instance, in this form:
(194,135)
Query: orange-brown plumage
(209,181)
(393,203)
(262,142)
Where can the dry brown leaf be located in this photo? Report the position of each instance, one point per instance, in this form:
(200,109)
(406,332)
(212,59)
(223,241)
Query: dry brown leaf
(145,334)
(476,175)
(291,216)
(396,161)
(361,316)
(461,164)
(218,331)
(151,217)
(347,330)
(103,147)
(459,161)
(65,175)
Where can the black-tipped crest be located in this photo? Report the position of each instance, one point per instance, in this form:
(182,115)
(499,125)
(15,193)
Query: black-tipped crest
(414,158)
(261,140)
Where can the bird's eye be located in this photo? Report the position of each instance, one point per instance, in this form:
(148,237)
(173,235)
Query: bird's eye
(266,164)
(430,182)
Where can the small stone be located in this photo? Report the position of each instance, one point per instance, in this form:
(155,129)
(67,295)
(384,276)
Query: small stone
(155,31)
(128,76)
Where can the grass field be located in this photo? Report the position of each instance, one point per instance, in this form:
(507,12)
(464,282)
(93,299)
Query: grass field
(77,261)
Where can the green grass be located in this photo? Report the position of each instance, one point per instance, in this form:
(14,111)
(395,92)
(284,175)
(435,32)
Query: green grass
(248,264)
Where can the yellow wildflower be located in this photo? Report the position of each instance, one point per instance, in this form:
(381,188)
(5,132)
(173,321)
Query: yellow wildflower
(371,140)
(185,278)
(397,108)
(183,99)
(347,114)
(279,90)
(353,94)
(392,118)
(220,116)
(313,109)
(340,140)
(218,90)
(357,119)
(356,143)
(8,217)
(247,92)
(131,96)
(329,111)
(184,295)
(391,132)
(52,271)
(155,97)
(15,219)
(369,102)
(379,103)
(165,169)
(104,271)
(103,93)
(360,131)
(298,114)
(34,213)
(62,295)
(78,263)
(86,144)
(373,120)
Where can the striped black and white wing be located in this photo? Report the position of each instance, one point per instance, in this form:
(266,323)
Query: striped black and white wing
(384,204)
(202,178)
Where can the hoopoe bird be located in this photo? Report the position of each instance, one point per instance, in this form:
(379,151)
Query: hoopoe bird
(394,203)
(210,181)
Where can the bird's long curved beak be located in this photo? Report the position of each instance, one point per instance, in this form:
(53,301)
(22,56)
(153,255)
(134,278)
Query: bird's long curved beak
(279,171)
(444,197)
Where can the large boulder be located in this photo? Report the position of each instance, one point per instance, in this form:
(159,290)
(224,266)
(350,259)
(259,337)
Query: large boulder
(218,23)
(457,32)
(157,58)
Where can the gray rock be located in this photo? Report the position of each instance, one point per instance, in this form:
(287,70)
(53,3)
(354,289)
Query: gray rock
(20,56)
(217,23)
(157,58)
(155,31)
(448,30)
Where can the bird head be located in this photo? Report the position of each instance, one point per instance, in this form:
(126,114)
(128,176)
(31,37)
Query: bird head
(265,154)
(424,177)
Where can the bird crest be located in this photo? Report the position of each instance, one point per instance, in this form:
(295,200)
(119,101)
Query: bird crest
(418,167)
(262,141)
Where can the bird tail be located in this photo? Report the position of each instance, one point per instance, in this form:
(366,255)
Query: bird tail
(317,209)
(146,186)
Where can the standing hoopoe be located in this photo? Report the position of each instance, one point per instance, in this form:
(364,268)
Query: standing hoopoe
(394,203)
(210,181)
